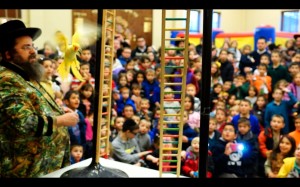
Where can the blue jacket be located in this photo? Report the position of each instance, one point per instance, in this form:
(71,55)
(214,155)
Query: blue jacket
(149,89)
(156,95)
(255,128)
(73,160)
(123,60)
(121,104)
(250,153)
(282,109)
(81,127)
(226,163)
(211,141)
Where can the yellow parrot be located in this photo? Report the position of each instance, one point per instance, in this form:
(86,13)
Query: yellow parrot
(70,52)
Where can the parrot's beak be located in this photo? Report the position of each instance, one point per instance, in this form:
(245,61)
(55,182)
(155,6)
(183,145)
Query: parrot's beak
(76,48)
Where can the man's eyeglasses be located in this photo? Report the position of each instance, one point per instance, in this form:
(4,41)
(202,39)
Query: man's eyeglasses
(29,47)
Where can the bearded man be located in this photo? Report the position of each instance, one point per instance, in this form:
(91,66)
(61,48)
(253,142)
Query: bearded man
(34,140)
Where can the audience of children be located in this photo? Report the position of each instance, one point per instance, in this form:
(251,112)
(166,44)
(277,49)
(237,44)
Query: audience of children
(138,83)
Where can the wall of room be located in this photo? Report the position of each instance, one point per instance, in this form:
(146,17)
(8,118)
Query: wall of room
(232,20)
(49,21)
(235,20)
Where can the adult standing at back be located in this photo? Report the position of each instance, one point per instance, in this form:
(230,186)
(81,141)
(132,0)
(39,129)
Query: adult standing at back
(141,48)
(33,128)
(226,68)
(251,61)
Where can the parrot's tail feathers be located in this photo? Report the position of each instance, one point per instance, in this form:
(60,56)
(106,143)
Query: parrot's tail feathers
(75,71)
(77,63)
(63,71)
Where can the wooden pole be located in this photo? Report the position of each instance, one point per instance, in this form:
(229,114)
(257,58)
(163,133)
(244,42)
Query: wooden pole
(95,158)
(205,97)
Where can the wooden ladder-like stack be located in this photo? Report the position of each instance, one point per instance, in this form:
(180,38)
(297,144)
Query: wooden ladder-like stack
(171,143)
(105,99)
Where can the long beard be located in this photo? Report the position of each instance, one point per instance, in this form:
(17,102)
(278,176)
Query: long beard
(34,69)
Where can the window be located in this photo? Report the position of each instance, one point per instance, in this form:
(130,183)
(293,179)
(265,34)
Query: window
(216,20)
(290,21)
(195,21)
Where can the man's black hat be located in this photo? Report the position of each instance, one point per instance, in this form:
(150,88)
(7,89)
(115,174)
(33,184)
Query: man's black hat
(16,28)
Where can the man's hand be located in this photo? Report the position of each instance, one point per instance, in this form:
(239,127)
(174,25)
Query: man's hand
(67,110)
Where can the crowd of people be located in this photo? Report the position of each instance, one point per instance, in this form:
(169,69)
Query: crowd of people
(254,125)
(254,100)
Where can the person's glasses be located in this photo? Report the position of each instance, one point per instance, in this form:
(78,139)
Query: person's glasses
(29,47)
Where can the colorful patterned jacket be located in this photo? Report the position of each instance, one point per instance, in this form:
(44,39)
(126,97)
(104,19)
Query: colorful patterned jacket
(30,146)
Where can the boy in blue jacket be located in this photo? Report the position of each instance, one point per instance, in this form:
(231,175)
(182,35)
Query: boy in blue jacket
(227,155)
(249,140)
(123,99)
(77,132)
(148,85)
